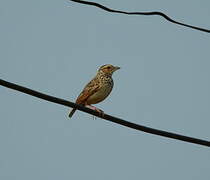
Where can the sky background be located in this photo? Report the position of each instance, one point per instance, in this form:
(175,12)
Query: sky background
(56,47)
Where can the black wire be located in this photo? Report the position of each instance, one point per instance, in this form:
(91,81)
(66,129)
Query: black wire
(141,13)
(105,116)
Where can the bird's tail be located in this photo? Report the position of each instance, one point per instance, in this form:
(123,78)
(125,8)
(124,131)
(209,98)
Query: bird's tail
(72,112)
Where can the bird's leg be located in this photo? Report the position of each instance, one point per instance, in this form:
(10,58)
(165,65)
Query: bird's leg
(95,109)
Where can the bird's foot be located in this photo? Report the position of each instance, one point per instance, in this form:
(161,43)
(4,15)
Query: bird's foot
(96,109)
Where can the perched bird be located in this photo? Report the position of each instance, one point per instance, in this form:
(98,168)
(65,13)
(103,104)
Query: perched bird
(97,89)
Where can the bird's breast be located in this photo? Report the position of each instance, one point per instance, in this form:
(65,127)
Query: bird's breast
(101,94)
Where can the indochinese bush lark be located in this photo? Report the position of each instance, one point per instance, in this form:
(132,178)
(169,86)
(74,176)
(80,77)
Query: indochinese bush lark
(97,89)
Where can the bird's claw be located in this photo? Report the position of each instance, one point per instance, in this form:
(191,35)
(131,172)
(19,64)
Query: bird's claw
(101,113)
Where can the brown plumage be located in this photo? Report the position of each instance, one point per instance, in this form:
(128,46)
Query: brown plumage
(97,89)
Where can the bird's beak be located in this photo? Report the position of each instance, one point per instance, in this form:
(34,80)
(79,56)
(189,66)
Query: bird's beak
(116,68)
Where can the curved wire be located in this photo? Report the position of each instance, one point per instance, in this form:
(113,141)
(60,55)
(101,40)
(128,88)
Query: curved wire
(141,13)
(105,116)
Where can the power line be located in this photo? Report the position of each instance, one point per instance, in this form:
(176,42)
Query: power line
(141,13)
(105,116)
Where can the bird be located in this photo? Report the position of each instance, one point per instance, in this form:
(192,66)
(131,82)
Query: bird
(97,89)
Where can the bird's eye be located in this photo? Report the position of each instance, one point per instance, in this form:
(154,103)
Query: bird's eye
(108,67)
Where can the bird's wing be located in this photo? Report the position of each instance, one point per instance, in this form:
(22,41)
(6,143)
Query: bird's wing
(89,90)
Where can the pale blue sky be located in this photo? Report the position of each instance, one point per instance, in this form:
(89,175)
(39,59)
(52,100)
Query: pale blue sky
(56,47)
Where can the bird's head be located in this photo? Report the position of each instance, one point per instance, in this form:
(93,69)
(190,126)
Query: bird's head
(108,69)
